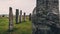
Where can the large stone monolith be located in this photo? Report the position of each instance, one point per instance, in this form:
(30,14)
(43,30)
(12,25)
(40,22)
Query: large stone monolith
(45,17)
(20,18)
(17,15)
(10,19)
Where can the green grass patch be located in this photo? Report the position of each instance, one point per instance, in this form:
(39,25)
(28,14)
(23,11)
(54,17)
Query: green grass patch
(21,28)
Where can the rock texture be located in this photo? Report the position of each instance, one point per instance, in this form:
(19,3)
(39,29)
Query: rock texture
(20,16)
(10,19)
(45,17)
(17,15)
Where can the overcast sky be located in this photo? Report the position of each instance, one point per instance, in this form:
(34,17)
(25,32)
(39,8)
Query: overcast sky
(24,5)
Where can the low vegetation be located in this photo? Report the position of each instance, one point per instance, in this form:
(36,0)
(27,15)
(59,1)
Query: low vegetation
(21,28)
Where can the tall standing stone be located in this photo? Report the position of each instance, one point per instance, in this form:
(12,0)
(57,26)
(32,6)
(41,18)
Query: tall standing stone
(46,17)
(17,14)
(10,19)
(24,16)
(20,19)
(30,16)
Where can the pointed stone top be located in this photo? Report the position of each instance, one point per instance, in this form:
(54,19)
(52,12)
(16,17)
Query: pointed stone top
(17,9)
(10,8)
(20,10)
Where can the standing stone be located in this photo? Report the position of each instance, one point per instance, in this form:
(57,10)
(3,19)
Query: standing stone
(24,16)
(10,19)
(20,16)
(45,17)
(17,14)
(30,16)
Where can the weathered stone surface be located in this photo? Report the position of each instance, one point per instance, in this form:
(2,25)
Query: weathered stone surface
(20,19)
(17,14)
(45,17)
(24,16)
(30,16)
(10,19)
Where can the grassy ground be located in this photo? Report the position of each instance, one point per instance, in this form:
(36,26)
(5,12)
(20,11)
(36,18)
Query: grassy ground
(21,28)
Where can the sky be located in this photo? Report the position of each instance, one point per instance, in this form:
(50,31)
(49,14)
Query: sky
(26,6)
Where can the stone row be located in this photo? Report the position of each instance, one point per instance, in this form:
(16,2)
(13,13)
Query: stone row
(18,18)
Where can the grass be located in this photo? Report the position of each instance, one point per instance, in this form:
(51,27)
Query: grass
(21,28)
